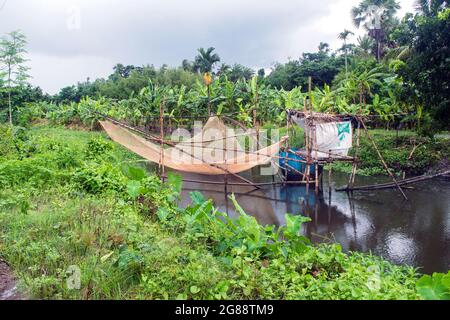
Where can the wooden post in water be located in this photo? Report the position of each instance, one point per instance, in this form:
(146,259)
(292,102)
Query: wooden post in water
(351,181)
(308,124)
(161,126)
(286,159)
(316,161)
(330,172)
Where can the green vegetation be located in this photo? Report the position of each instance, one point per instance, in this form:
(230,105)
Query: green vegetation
(78,200)
(72,198)
(404,152)
(12,51)
(435,287)
(399,68)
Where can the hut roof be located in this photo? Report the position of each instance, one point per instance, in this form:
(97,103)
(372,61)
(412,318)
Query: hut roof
(318,116)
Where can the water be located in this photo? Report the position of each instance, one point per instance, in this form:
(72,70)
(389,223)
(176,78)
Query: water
(415,233)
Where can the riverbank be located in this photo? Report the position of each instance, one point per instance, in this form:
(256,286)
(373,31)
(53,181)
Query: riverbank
(72,208)
(404,152)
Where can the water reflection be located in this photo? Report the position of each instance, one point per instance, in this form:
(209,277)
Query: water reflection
(415,232)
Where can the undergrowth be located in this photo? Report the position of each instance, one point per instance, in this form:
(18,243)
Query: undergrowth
(75,201)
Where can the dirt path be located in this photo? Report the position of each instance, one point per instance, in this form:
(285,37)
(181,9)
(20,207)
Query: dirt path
(8,285)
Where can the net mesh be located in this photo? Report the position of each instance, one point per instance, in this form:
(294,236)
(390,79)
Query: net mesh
(214,150)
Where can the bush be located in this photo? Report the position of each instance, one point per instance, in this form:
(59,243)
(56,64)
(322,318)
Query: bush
(96,178)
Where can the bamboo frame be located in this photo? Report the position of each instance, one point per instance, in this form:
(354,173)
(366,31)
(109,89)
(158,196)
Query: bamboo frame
(311,147)
(153,138)
(161,123)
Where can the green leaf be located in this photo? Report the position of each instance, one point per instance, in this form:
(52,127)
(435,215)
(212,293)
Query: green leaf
(194,289)
(175,181)
(237,206)
(162,214)
(134,189)
(436,287)
(294,225)
(133,173)
(197,198)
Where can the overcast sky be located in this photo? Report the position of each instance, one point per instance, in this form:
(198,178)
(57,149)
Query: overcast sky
(70,40)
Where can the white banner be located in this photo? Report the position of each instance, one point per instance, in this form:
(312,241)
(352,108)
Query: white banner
(334,137)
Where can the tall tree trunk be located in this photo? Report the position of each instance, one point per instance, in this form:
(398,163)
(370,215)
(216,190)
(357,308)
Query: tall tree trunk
(209,101)
(346,62)
(9,97)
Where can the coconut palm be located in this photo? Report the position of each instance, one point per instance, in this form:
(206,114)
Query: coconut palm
(223,69)
(378,18)
(344,36)
(205,60)
(430,7)
(364,46)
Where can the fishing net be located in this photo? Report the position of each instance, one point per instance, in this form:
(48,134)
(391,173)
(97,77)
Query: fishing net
(214,149)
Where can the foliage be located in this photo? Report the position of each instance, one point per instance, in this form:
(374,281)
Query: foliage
(205,60)
(427,68)
(397,151)
(367,88)
(322,66)
(130,240)
(369,13)
(435,287)
(12,64)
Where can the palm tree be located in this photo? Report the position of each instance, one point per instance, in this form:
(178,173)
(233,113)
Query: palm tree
(430,8)
(365,46)
(344,36)
(186,65)
(205,60)
(359,85)
(382,12)
(223,69)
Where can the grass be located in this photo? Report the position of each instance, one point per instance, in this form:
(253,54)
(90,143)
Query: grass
(70,201)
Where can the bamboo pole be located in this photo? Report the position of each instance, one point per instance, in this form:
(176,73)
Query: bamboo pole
(404,182)
(161,125)
(316,163)
(382,161)
(209,99)
(286,151)
(309,124)
(330,173)
(352,178)
(244,184)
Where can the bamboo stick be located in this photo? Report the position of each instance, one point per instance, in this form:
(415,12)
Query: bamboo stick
(244,184)
(316,165)
(404,182)
(286,151)
(161,123)
(383,162)
(351,181)
(330,172)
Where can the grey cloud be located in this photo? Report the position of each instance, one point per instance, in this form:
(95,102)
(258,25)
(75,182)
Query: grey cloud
(251,32)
